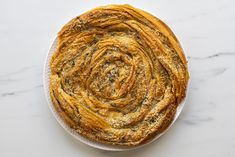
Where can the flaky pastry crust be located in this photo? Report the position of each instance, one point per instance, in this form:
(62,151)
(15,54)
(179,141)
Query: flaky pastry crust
(117,75)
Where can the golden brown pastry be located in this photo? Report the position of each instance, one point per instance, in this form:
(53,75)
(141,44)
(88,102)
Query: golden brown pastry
(117,75)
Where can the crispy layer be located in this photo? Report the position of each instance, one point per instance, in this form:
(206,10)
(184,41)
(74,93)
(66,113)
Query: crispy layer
(117,75)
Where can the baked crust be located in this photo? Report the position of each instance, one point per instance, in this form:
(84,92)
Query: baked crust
(117,75)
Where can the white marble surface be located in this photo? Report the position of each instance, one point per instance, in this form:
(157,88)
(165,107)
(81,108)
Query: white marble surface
(206,127)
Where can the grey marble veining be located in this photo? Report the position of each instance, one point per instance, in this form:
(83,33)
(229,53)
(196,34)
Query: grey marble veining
(206,126)
(220,54)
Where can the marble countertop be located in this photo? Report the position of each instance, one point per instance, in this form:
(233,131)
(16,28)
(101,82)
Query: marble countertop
(206,127)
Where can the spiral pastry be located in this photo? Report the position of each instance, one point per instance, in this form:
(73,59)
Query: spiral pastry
(117,75)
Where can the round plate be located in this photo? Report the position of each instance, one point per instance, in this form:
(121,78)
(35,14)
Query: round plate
(46,75)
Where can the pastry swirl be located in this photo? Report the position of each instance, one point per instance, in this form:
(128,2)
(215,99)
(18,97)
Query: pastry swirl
(117,75)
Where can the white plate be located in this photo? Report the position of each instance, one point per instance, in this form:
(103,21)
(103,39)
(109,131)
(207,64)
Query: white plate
(77,136)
